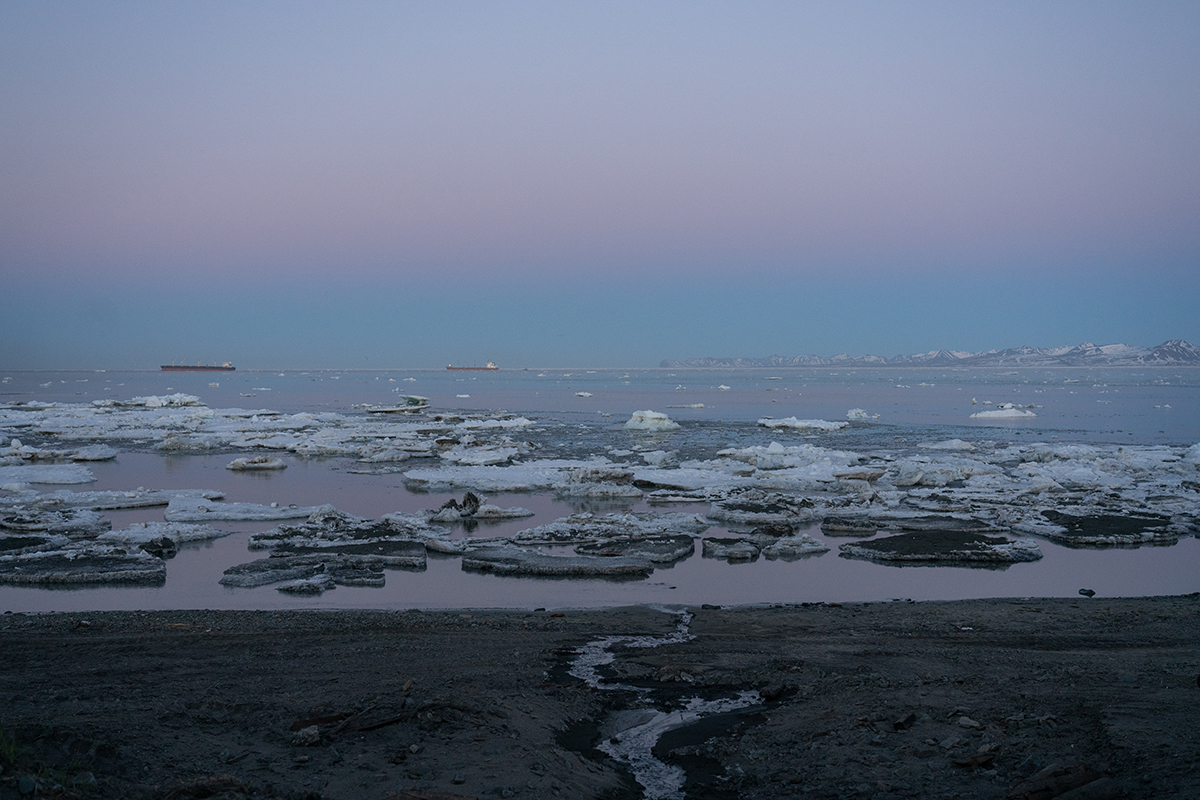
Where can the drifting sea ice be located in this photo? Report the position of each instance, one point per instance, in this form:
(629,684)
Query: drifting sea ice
(803,424)
(141,533)
(948,444)
(83,563)
(1011,486)
(256,463)
(1004,411)
(192,509)
(650,421)
(62,474)
(529,476)
(101,500)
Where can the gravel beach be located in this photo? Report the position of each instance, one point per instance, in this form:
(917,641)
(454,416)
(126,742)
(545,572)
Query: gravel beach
(1015,698)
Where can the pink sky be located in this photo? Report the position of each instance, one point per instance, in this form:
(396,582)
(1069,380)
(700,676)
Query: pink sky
(522,143)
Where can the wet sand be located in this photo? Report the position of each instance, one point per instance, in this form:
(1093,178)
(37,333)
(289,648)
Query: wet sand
(972,699)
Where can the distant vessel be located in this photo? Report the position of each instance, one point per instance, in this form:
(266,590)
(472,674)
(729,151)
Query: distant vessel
(489,366)
(173,367)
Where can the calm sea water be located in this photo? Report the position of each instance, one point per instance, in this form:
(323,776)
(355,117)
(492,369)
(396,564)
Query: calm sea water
(1145,406)
(717,408)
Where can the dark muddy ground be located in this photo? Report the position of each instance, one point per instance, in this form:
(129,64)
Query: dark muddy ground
(975,699)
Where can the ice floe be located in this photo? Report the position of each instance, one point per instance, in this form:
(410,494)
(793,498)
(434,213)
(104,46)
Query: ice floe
(96,452)
(1004,411)
(62,474)
(165,401)
(75,523)
(181,424)
(256,463)
(304,574)
(540,474)
(82,563)
(18,453)
(803,424)
(333,548)
(658,549)
(142,533)
(588,527)
(473,507)
(32,501)
(199,509)
(1103,530)
(598,482)
(948,444)
(756,507)
(650,421)
(512,560)
(944,546)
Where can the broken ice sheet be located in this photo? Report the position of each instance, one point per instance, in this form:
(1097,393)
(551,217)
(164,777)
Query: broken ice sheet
(513,560)
(818,425)
(198,509)
(83,563)
(63,474)
(650,421)
(142,532)
(944,546)
(103,500)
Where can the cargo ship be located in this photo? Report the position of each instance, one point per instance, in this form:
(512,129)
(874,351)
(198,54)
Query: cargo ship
(489,366)
(173,367)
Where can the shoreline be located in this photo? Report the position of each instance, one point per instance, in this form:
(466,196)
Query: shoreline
(968,698)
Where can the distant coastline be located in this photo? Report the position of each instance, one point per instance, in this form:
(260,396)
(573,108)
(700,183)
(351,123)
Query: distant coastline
(1175,352)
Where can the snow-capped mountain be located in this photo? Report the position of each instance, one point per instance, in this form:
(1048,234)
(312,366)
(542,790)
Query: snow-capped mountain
(1176,352)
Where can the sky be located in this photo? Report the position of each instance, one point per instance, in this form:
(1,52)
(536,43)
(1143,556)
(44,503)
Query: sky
(404,185)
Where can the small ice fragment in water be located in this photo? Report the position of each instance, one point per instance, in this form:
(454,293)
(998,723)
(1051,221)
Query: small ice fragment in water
(256,463)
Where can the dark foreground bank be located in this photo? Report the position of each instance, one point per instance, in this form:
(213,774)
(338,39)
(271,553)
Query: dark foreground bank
(1086,698)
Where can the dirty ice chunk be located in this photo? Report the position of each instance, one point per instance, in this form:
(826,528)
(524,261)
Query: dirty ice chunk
(83,562)
(687,479)
(588,527)
(661,549)
(512,560)
(944,547)
(75,523)
(790,548)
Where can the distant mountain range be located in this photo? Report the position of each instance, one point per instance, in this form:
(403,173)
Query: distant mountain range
(1173,353)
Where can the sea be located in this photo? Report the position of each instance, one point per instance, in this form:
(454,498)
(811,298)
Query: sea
(581,414)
